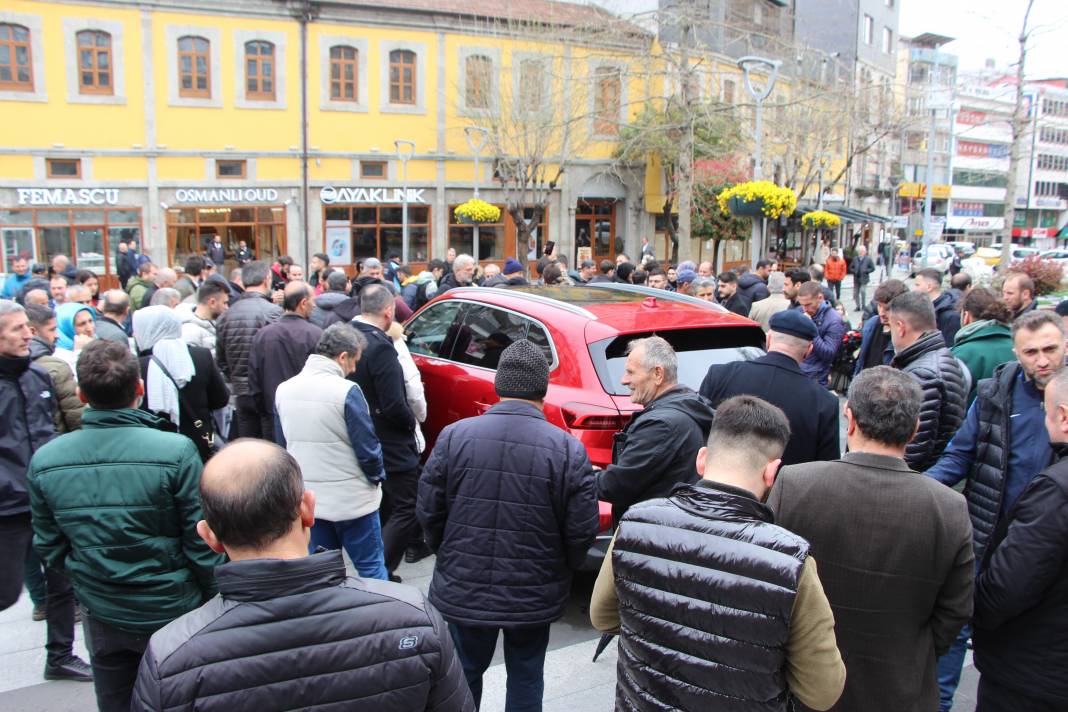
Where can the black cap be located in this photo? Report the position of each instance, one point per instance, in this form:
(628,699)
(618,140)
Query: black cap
(522,372)
(794,323)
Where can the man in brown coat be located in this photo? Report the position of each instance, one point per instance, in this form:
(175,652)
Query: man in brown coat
(895,551)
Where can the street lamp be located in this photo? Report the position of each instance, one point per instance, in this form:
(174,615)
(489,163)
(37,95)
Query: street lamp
(405,149)
(748,65)
(476,140)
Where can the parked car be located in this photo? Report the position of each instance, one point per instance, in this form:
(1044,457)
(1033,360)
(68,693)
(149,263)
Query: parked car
(992,254)
(1059,255)
(939,256)
(966,249)
(457,339)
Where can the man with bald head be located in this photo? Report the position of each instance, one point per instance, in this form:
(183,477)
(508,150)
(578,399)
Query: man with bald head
(299,617)
(279,351)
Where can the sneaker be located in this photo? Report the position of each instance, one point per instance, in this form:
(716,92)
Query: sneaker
(40,612)
(73,668)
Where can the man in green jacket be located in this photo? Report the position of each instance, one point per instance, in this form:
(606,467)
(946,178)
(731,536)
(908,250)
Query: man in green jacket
(115,507)
(137,286)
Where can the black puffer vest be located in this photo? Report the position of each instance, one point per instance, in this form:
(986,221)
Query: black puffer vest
(986,483)
(706,585)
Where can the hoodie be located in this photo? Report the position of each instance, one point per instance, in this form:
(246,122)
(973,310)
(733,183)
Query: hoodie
(753,288)
(196,331)
(324,308)
(418,290)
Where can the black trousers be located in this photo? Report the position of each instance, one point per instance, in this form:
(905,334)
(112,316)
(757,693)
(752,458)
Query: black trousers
(249,423)
(836,287)
(115,655)
(16,537)
(524,662)
(399,524)
(998,698)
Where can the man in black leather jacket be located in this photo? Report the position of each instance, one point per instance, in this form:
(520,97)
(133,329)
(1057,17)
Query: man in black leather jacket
(657,448)
(301,633)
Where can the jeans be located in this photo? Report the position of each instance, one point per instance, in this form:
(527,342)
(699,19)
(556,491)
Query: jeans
(860,294)
(835,286)
(949,668)
(998,698)
(399,525)
(361,538)
(115,655)
(16,534)
(524,661)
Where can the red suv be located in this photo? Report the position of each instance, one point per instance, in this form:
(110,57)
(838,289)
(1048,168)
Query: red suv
(457,339)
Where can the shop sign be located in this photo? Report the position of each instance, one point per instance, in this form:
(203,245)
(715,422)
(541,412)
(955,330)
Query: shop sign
(330,195)
(68,196)
(226,195)
(976,223)
(939,191)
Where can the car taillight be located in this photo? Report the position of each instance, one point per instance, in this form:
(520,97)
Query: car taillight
(580,416)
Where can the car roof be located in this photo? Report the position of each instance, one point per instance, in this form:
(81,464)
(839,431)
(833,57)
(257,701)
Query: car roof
(622,307)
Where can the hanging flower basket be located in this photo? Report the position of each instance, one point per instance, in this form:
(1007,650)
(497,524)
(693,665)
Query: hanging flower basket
(477,212)
(757,198)
(820,219)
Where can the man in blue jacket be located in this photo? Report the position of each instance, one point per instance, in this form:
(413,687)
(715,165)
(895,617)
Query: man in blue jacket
(876,347)
(830,326)
(20,269)
(507,502)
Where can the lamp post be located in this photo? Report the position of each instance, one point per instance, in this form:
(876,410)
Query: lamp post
(748,65)
(405,149)
(476,140)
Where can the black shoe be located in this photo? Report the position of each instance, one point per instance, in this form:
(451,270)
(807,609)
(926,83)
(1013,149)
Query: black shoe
(73,668)
(40,612)
(395,578)
(417,552)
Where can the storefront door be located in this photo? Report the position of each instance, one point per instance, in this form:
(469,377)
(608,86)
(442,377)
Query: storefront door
(262,229)
(595,227)
(18,242)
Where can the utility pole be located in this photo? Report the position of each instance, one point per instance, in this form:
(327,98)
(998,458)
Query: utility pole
(685,166)
(1019,120)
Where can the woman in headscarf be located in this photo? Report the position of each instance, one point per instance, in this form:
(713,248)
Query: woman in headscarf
(182,383)
(76,327)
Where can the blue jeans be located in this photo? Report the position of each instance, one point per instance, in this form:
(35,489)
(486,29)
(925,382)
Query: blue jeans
(524,661)
(949,669)
(361,538)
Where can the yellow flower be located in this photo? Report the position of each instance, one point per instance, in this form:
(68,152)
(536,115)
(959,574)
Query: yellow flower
(477,210)
(820,218)
(777,199)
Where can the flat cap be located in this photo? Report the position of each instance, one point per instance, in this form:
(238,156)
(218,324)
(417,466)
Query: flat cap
(793,323)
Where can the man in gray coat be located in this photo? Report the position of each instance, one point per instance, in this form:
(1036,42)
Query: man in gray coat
(895,549)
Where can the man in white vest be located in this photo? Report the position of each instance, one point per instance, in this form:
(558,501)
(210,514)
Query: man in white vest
(323,420)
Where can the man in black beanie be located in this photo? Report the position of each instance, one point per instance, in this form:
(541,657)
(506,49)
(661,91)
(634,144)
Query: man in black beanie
(507,502)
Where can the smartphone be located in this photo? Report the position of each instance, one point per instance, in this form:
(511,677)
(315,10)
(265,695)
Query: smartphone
(549,246)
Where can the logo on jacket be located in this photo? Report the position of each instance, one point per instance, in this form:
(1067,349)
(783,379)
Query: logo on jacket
(46,394)
(408,642)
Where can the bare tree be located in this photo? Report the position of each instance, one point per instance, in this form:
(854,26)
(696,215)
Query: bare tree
(1019,125)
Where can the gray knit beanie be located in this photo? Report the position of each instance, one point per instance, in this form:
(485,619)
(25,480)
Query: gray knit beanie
(522,372)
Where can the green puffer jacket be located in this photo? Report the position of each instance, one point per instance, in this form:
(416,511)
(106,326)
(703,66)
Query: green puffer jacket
(136,288)
(115,506)
(982,346)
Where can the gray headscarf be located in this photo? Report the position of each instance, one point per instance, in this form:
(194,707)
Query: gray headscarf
(160,329)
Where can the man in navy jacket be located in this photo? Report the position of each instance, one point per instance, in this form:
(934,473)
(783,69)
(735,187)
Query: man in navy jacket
(507,501)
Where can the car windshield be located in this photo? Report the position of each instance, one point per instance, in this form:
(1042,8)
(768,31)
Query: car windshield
(697,349)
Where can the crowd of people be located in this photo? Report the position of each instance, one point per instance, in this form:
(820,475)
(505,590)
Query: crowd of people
(183,459)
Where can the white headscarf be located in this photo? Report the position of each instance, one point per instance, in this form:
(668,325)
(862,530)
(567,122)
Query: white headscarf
(159,328)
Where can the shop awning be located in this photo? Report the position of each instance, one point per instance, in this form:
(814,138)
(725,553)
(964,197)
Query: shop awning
(849,215)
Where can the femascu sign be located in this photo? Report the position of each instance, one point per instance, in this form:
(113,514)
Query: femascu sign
(330,194)
(68,196)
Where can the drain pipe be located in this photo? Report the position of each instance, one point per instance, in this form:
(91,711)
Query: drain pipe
(305,15)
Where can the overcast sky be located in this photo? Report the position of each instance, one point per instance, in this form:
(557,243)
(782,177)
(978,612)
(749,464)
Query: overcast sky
(983,28)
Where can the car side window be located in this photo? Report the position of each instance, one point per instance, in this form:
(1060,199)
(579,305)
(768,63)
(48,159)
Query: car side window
(537,336)
(485,334)
(433,332)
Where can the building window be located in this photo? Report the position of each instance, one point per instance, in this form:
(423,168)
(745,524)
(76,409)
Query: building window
(402,77)
(373,170)
(888,40)
(63,167)
(343,72)
(88,235)
(608,88)
(231,169)
(478,81)
(16,67)
(375,231)
(728,91)
(194,67)
(94,62)
(259,70)
(532,93)
(261,227)
(869,30)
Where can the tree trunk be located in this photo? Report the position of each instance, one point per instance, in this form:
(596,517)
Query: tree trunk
(522,228)
(715,255)
(1019,120)
(673,233)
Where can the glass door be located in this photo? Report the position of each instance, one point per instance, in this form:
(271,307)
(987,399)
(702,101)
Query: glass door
(18,242)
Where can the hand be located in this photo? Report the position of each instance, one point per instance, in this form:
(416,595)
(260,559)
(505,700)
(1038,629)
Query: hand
(278,296)
(81,341)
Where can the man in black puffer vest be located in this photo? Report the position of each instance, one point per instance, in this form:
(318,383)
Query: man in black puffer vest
(921,352)
(288,630)
(657,448)
(717,607)
(1021,597)
(506,500)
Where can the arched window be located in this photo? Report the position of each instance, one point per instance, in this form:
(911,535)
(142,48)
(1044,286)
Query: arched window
(402,77)
(259,70)
(94,62)
(194,67)
(344,62)
(16,65)
(478,81)
(607,92)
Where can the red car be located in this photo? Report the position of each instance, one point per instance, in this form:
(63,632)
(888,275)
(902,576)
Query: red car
(457,339)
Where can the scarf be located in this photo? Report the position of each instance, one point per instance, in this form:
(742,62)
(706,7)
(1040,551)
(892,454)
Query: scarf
(65,316)
(159,330)
(14,366)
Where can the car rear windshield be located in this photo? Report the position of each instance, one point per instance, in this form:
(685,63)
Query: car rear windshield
(697,349)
